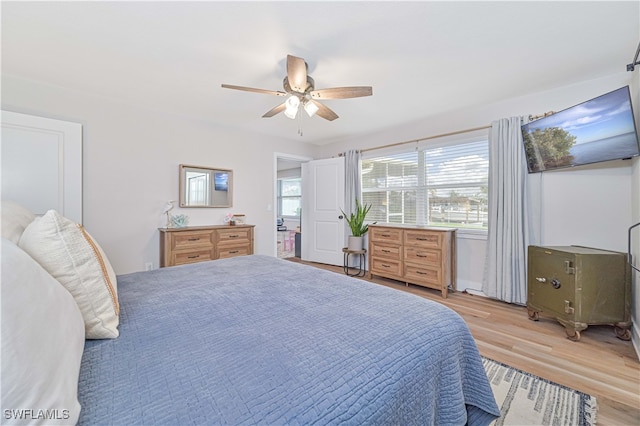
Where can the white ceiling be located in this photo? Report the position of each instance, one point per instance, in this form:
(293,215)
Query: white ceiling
(422,58)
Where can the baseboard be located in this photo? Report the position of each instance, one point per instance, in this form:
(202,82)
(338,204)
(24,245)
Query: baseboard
(470,287)
(635,338)
(475,292)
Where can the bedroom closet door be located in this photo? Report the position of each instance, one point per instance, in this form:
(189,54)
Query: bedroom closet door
(42,164)
(323,226)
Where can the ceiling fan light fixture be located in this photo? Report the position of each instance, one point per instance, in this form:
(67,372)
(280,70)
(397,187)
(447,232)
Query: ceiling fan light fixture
(290,113)
(299,88)
(311,108)
(291,107)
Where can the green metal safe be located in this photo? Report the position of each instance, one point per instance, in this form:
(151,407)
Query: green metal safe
(580,286)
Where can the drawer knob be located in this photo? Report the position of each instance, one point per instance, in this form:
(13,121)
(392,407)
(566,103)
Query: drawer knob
(194,257)
(386,251)
(233,252)
(193,239)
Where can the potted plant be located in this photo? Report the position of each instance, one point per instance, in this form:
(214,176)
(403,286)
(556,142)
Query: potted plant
(357,225)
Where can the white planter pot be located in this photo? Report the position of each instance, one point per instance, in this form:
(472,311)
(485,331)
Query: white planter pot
(355,243)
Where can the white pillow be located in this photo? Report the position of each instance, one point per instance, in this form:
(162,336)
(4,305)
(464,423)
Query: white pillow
(14,219)
(68,252)
(42,344)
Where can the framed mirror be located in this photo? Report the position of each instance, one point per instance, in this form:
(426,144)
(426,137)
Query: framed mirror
(205,187)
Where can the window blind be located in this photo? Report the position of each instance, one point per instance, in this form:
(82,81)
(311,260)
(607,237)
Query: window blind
(443,185)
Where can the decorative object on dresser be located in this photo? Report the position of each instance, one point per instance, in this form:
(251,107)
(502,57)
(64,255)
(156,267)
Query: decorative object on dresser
(167,208)
(179,221)
(238,219)
(414,254)
(580,286)
(191,244)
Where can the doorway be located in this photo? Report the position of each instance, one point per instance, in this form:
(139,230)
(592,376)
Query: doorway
(288,205)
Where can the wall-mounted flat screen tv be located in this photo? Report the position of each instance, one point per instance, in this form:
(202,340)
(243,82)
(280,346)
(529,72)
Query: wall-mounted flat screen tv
(601,129)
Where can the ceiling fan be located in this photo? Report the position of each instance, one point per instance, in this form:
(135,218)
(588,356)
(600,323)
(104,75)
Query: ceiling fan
(299,90)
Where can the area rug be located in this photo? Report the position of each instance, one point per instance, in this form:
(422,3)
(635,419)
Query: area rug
(525,399)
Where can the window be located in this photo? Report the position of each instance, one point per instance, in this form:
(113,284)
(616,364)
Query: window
(289,197)
(444,185)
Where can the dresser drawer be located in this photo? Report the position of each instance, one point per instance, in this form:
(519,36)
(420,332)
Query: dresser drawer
(389,235)
(385,267)
(233,235)
(423,275)
(387,251)
(190,240)
(184,257)
(422,238)
(232,251)
(422,256)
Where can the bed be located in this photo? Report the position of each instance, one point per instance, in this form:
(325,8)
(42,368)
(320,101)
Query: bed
(251,340)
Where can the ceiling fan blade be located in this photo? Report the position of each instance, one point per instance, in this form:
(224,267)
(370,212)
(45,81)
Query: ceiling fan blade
(251,89)
(297,73)
(324,111)
(275,110)
(342,92)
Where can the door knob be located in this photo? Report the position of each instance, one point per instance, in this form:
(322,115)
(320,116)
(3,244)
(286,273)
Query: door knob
(340,217)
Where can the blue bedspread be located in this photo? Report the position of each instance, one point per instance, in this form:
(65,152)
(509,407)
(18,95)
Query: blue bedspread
(258,340)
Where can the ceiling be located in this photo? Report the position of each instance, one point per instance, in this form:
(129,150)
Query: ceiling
(422,58)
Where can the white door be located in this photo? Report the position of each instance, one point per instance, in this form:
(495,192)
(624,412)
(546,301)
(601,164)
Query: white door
(42,164)
(323,227)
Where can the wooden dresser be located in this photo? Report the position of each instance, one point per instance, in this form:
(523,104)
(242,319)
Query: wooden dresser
(191,244)
(413,254)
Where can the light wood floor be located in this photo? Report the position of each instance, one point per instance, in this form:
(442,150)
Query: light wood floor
(599,364)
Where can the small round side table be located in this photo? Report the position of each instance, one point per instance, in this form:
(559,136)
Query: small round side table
(359,271)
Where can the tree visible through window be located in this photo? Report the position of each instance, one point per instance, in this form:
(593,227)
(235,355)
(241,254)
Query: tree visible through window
(440,186)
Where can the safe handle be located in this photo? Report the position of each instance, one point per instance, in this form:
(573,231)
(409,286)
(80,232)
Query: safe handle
(570,270)
(567,307)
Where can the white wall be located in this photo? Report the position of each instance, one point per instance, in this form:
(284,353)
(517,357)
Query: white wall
(131,159)
(635,199)
(590,205)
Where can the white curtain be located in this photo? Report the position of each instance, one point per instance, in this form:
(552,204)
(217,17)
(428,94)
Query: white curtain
(352,180)
(508,236)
